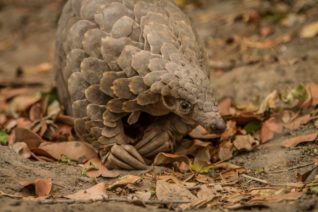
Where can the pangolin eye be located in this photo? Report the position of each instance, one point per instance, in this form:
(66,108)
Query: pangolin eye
(185,106)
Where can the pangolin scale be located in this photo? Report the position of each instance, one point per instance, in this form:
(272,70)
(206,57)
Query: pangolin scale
(133,75)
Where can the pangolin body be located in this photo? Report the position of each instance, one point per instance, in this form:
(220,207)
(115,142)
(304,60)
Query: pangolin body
(133,75)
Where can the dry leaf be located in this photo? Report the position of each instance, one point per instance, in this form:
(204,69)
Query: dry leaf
(21,103)
(316,123)
(95,193)
(295,124)
(22,149)
(223,165)
(74,150)
(98,170)
(230,131)
(269,129)
(225,150)
(28,137)
(168,158)
(270,102)
(36,112)
(225,107)
(245,142)
(309,31)
(312,88)
(292,142)
(125,180)
(143,195)
(201,133)
(42,187)
(172,192)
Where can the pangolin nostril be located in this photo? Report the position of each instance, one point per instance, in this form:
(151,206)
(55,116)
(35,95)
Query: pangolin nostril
(220,125)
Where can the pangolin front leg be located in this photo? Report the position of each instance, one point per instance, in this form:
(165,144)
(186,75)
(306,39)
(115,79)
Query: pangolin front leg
(160,136)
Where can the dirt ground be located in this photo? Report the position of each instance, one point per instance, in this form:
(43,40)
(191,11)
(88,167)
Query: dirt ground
(247,74)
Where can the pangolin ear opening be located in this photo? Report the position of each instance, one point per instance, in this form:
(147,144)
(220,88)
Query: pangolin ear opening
(169,102)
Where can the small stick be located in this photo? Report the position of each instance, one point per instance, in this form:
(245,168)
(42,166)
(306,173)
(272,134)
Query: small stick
(294,167)
(256,179)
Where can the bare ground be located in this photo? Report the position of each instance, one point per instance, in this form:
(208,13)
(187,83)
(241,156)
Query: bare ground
(27,39)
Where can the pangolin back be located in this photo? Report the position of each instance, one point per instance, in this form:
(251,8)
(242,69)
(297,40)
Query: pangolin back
(115,58)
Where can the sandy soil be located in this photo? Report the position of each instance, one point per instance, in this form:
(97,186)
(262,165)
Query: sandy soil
(27,39)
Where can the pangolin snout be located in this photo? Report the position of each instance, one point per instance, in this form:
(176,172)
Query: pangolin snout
(218,126)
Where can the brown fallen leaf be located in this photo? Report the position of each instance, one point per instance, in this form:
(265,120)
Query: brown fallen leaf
(172,192)
(224,165)
(21,103)
(74,150)
(270,102)
(95,193)
(22,149)
(226,150)
(95,168)
(316,123)
(230,131)
(168,158)
(269,129)
(143,195)
(42,187)
(296,123)
(292,142)
(309,30)
(225,108)
(125,180)
(36,112)
(312,89)
(204,179)
(245,142)
(27,136)
(201,133)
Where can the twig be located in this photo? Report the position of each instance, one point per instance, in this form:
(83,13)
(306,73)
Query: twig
(292,168)
(293,185)
(150,202)
(255,179)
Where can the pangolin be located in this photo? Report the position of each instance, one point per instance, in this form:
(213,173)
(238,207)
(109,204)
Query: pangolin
(133,75)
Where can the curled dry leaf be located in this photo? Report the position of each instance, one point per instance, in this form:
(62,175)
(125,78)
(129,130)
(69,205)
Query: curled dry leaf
(22,149)
(74,150)
(95,193)
(168,158)
(125,180)
(270,102)
(245,142)
(292,142)
(27,136)
(42,187)
(95,168)
(201,133)
(270,128)
(172,192)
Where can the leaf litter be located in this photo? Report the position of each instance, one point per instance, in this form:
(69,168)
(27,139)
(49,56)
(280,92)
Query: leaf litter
(40,131)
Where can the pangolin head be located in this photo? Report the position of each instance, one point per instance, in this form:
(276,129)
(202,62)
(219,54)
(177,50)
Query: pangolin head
(189,95)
